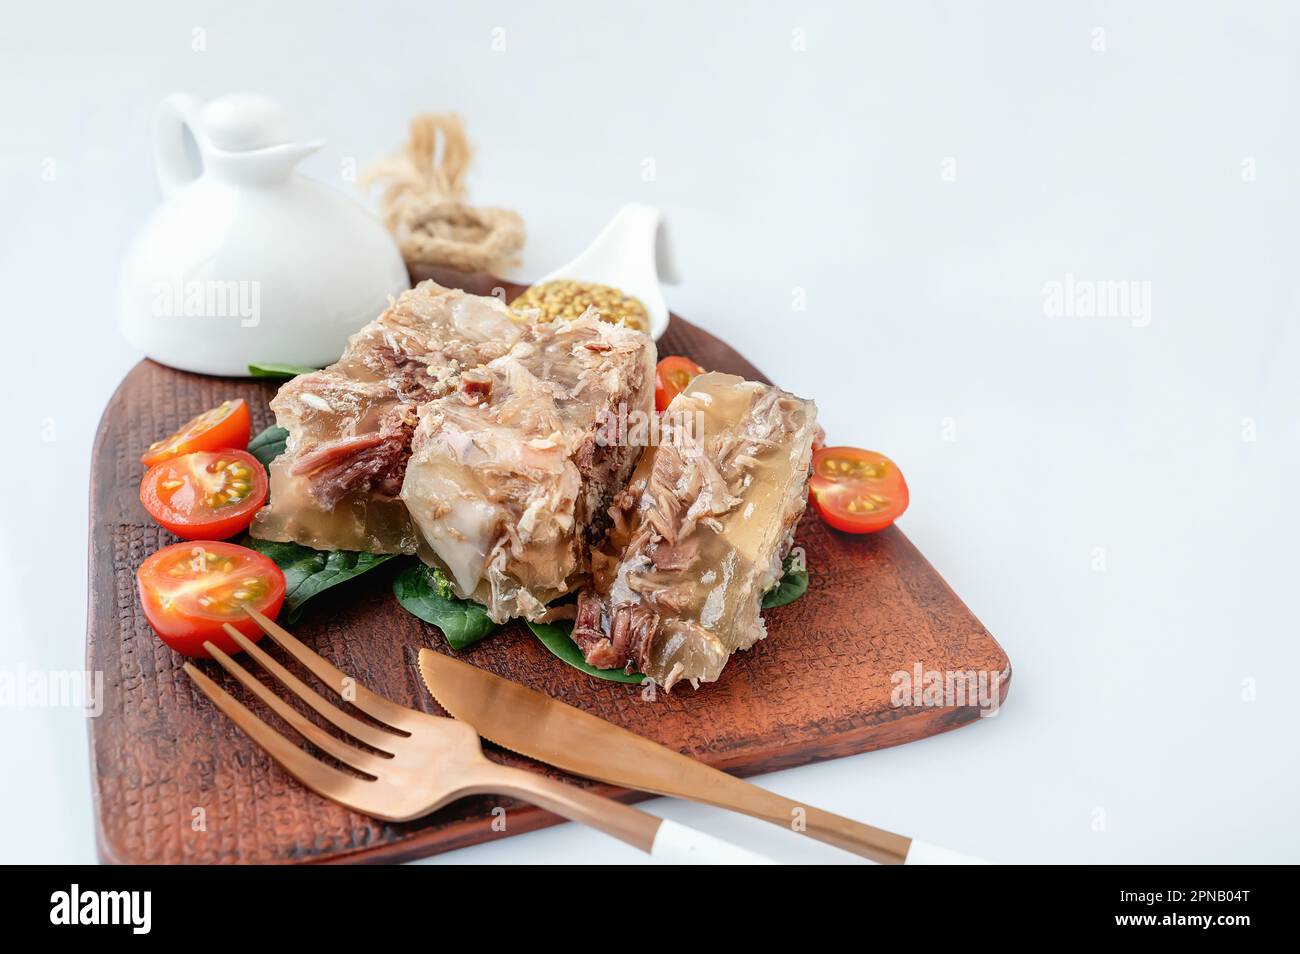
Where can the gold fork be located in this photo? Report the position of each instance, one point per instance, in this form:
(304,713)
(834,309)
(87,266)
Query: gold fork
(421,762)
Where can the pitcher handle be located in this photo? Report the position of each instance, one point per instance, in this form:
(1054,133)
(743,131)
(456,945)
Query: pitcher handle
(173,161)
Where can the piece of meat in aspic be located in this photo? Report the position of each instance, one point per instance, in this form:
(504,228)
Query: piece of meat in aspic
(512,471)
(700,532)
(350,425)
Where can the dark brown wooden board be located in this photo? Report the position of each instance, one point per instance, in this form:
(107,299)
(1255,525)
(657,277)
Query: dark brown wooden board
(176,782)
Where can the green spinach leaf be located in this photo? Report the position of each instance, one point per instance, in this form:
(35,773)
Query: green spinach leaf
(557,637)
(268,445)
(793,584)
(309,572)
(426,593)
(280,371)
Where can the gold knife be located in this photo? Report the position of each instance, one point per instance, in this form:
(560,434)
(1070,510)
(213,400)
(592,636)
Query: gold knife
(550,731)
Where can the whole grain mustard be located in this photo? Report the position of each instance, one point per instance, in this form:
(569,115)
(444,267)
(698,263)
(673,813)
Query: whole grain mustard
(566,299)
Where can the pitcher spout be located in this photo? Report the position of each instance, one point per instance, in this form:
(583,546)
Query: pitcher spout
(271,164)
(241,137)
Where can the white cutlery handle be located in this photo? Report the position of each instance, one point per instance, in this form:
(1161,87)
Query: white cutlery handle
(923,853)
(676,844)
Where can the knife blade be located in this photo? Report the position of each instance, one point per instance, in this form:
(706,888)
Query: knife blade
(542,728)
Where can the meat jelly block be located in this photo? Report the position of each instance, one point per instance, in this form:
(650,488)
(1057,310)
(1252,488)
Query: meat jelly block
(350,425)
(512,472)
(700,532)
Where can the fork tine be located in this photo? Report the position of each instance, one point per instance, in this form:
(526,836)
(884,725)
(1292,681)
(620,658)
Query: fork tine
(372,705)
(316,775)
(377,738)
(347,754)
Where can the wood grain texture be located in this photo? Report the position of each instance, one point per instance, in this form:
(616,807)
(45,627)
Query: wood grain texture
(176,782)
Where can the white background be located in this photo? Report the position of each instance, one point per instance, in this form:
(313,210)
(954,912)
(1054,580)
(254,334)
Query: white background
(1128,735)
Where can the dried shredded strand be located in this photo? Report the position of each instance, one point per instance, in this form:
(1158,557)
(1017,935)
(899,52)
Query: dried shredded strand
(423,201)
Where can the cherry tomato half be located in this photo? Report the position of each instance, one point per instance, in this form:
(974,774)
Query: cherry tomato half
(671,377)
(227,425)
(855,490)
(189,590)
(206,495)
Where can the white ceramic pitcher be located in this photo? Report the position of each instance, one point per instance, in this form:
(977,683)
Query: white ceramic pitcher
(247,260)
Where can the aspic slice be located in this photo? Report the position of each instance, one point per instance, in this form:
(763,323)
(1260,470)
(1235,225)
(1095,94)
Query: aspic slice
(350,425)
(700,532)
(511,473)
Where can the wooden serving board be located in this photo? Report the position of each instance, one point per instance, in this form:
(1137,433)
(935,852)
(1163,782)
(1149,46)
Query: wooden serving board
(176,782)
